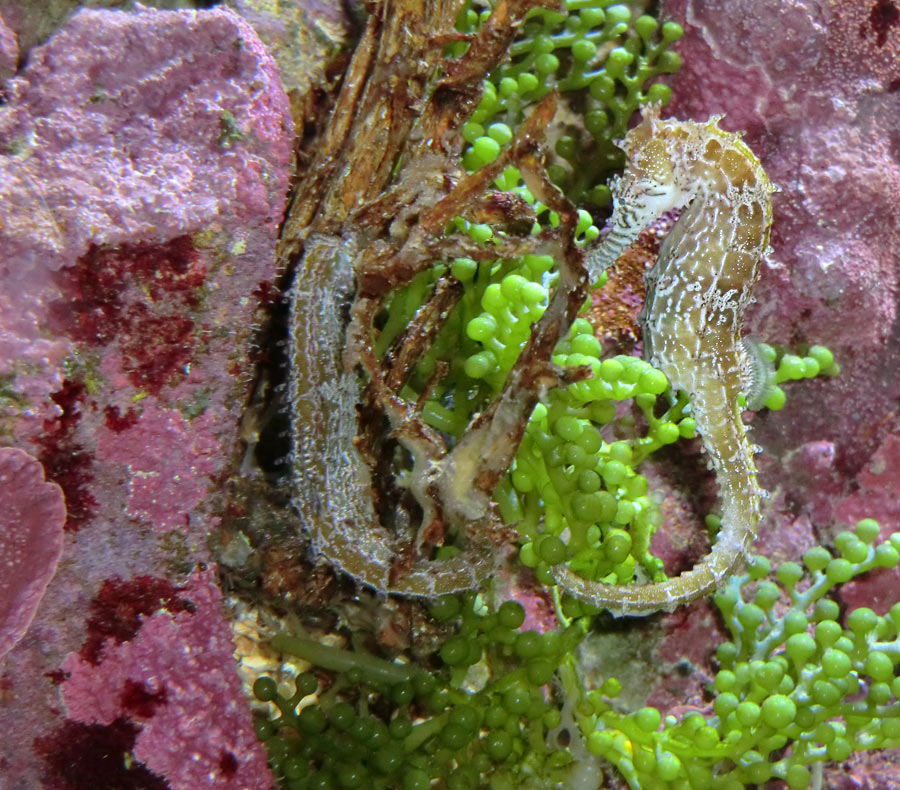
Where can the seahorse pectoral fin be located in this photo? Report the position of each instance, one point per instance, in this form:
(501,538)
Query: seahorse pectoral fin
(757,373)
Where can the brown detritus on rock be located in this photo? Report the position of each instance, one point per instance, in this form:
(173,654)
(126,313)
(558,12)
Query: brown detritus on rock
(615,307)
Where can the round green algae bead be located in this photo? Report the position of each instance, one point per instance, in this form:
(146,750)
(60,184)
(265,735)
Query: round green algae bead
(725,704)
(788,574)
(817,558)
(498,744)
(472,131)
(481,232)
(750,616)
(648,719)
(778,711)
(546,64)
(851,547)
(568,428)
(464,269)
(801,648)
(821,355)
(810,368)
(839,750)
(487,149)
(767,674)
(667,433)
(446,607)
(828,632)
(671,31)
(862,620)
(500,132)
(527,82)
(835,663)
(416,779)
(653,381)
(611,370)
(528,644)
(616,14)
(890,728)
(758,566)
(886,556)
(539,671)
(265,689)
(687,427)
(455,651)
(748,713)
(795,622)
(511,614)
(528,555)
(583,50)
(767,593)
(668,767)
(482,327)
(645,26)
(776,399)
(797,777)
(617,545)
(311,720)
(614,473)
(826,609)
(838,570)
(551,550)
(790,367)
(480,365)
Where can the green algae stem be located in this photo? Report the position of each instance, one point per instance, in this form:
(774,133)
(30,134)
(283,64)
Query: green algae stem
(338,660)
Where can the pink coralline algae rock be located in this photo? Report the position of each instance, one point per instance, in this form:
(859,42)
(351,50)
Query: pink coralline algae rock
(32,514)
(144,163)
(9,50)
(175,683)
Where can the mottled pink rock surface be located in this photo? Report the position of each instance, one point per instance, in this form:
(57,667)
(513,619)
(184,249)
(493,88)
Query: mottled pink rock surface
(174,681)
(32,514)
(9,50)
(144,162)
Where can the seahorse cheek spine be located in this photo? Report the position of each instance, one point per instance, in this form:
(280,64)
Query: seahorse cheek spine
(696,296)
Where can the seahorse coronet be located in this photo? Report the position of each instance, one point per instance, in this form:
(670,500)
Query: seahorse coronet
(697,293)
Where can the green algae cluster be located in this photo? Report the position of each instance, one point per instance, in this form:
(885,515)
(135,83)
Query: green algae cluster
(602,60)
(799,683)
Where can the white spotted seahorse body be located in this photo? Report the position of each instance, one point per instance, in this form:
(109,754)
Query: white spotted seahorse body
(696,296)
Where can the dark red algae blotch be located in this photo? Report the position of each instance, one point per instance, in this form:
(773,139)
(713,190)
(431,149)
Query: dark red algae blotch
(94,756)
(883,16)
(139,295)
(117,609)
(139,700)
(228,764)
(118,422)
(65,461)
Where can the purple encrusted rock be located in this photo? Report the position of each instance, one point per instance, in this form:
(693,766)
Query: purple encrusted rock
(144,163)
(174,682)
(32,514)
(9,50)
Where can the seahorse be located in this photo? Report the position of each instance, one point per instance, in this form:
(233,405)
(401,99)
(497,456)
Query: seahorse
(696,296)
(333,482)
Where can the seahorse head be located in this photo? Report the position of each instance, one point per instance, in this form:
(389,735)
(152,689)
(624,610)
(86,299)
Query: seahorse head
(657,178)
